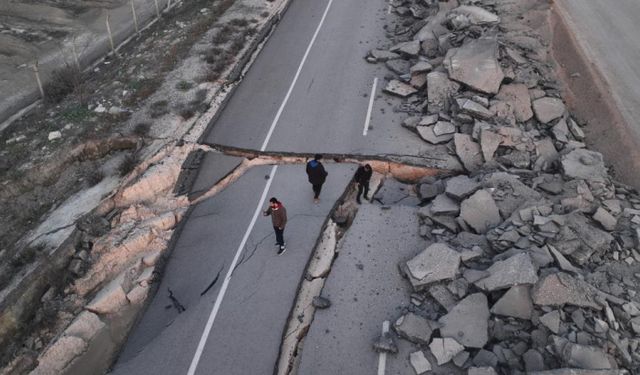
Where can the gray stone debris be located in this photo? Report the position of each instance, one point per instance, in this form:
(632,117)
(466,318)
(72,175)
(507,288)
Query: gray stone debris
(515,270)
(605,219)
(548,109)
(489,143)
(571,371)
(439,89)
(320,302)
(584,164)
(474,109)
(533,360)
(411,48)
(427,133)
(480,211)
(379,55)
(560,289)
(551,320)
(563,262)
(482,371)
(443,205)
(398,66)
(475,64)
(419,362)
(443,128)
(468,151)
(436,262)
(401,89)
(585,357)
(460,187)
(468,322)
(444,349)
(476,15)
(516,302)
(421,67)
(516,96)
(414,328)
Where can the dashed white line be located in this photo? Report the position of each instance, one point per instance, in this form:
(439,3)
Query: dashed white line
(223,289)
(372,97)
(382,357)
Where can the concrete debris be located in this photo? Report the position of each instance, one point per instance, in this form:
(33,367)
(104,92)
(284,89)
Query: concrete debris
(605,219)
(381,55)
(584,164)
(474,109)
(489,143)
(585,357)
(561,289)
(468,322)
(476,65)
(516,302)
(54,135)
(410,49)
(482,371)
(515,270)
(548,109)
(439,89)
(419,362)
(480,211)
(516,96)
(476,15)
(460,187)
(444,349)
(437,262)
(399,88)
(428,134)
(443,205)
(414,328)
(551,320)
(398,66)
(468,152)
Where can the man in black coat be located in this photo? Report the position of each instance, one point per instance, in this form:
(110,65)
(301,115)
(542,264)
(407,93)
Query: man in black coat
(317,176)
(362,177)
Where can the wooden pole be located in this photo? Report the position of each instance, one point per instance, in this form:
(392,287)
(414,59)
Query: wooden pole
(157,8)
(135,17)
(168,4)
(113,47)
(37,73)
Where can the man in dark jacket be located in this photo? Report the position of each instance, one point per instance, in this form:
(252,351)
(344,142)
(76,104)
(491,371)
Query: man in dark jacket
(317,175)
(279,219)
(362,177)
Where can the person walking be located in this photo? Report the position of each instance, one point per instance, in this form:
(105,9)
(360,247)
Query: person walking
(362,177)
(279,219)
(317,176)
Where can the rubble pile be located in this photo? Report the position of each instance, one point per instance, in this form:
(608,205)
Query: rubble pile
(532,257)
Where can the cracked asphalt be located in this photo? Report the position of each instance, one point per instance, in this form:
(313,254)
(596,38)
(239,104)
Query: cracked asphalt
(325,113)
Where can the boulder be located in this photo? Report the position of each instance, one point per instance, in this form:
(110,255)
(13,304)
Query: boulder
(480,211)
(476,65)
(518,269)
(468,321)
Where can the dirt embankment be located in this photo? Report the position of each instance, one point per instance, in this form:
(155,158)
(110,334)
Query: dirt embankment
(588,96)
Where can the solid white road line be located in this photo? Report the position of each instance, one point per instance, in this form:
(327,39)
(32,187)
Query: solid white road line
(216,307)
(382,358)
(295,78)
(372,97)
(225,284)
(389,9)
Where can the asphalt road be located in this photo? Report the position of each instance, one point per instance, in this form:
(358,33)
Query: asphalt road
(609,30)
(236,327)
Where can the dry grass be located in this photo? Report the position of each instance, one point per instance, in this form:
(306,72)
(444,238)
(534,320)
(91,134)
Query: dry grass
(63,82)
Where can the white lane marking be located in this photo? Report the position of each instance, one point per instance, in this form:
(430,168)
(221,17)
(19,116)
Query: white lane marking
(370,108)
(227,278)
(389,9)
(216,307)
(382,358)
(295,78)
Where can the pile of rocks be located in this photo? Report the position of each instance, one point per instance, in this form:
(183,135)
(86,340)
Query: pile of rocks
(533,258)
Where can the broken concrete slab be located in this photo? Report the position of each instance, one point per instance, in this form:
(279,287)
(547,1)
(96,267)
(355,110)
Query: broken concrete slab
(489,143)
(460,187)
(437,262)
(476,65)
(563,262)
(551,320)
(586,357)
(482,371)
(411,48)
(400,89)
(398,66)
(480,211)
(443,128)
(571,371)
(476,15)
(468,152)
(443,205)
(421,67)
(473,109)
(443,296)
(579,239)
(414,328)
(468,321)
(383,55)
(560,289)
(516,96)
(516,302)
(605,219)
(439,89)
(427,134)
(515,270)
(419,362)
(533,360)
(548,109)
(444,349)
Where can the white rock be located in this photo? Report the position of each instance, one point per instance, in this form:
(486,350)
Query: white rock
(419,362)
(444,349)
(55,135)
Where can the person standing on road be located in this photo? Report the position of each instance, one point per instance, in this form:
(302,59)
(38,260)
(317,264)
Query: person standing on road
(362,177)
(279,219)
(317,175)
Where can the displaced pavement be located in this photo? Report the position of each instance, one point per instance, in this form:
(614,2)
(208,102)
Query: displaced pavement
(248,329)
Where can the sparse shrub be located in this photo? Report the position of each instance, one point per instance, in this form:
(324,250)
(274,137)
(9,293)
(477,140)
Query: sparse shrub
(236,46)
(186,112)
(76,114)
(223,35)
(142,129)
(213,54)
(264,14)
(93,174)
(127,164)
(158,108)
(184,85)
(143,89)
(62,82)
(239,22)
(25,256)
